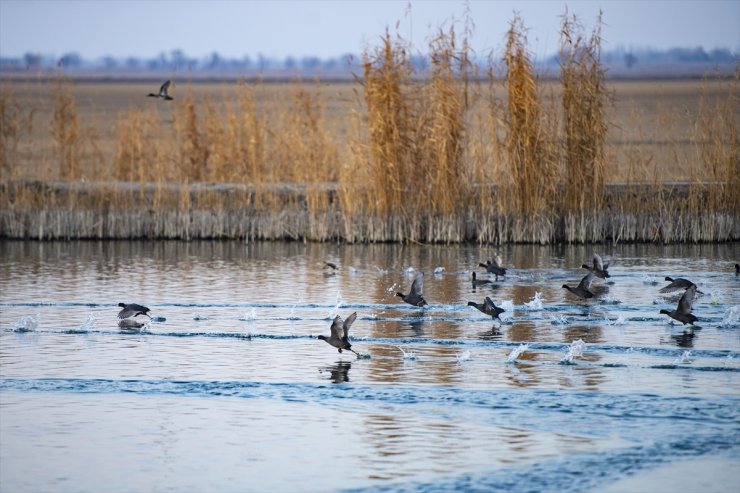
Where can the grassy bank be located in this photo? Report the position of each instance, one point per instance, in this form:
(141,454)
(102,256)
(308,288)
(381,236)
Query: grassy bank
(447,155)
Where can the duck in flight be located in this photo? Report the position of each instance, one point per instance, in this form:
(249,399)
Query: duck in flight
(162,92)
(339,337)
(676,284)
(415,297)
(582,290)
(488,307)
(682,313)
(132,310)
(599,268)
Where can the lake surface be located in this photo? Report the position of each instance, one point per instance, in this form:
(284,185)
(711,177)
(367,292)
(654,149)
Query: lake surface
(229,390)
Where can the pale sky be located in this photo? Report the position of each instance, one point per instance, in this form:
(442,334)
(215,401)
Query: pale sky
(281,28)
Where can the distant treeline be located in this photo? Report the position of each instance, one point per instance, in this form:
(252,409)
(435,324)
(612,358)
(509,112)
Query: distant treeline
(619,61)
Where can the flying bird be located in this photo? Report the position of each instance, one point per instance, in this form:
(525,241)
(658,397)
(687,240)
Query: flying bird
(488,307)
(162,92)
(599,268)
(682,313)
(340,333)
(676,284)
(414,297)
(582,290)
(132,310)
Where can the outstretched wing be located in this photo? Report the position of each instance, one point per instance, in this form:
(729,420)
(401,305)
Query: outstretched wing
(497,261)
(418,285)
(163,89)
(687,300)
(348,323)
(336,328)
(586,281)
(598,264)
(489,305)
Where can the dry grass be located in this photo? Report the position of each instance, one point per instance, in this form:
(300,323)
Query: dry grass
(446,157)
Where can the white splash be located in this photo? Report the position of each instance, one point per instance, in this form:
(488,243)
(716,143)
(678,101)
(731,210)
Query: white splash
(353,270)
(715,297)
(410,355)
(464,356)
(650,280)
(27,323)
(535,303)
(620,320)
(409,271)
(508,306)
(382,272)
(559,320)
(335,309)
(516,352)
(731,317)
(684,359)
(90,322)
(198,317)
(392,289)
(575,350)
(249,317)
(439,270)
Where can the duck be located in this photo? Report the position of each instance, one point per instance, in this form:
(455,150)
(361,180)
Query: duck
(479,282)
(162,92)
(582,290)
(737,269)
(676,284)
(494,267)
(339,337)
(414,297)
(331,265)
(132,310)
(599,268)
(682,313)
(488,307)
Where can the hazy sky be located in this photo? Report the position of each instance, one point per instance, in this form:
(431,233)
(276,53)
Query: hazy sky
(281,28)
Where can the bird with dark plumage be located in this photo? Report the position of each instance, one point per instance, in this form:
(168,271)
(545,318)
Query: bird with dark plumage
(479,282)
(339,337)
(676,284)
(132,310)
(582,290)
(599,268)
(682,313)
(162,92)
(415,297)
(494,267)
(737,269)
(488,307)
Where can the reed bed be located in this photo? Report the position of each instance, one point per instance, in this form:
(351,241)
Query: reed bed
(437,156)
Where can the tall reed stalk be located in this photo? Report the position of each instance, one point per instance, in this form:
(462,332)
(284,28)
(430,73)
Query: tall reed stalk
(65,129)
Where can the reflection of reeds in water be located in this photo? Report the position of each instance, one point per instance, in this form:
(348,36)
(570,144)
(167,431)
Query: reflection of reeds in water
(433,156)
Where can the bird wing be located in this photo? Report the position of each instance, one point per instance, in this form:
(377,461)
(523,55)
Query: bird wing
(348,323)
(497,261)
(598,264)
(684,304)
(586,281)
(126,312)
(418,285)
(163,89)
(489,304)
(337,330)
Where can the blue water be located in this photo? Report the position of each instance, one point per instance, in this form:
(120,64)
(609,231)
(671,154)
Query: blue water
(229,390)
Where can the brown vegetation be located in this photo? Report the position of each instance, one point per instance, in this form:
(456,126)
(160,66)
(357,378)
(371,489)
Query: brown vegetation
(440,156)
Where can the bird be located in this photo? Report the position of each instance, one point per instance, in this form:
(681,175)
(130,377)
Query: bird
(488,307)
(132,310)
(479,282)
(414,297)
(494,267)
(682,313)
(331,265)
(599,268)
(582,290)
(340,333)
(737,269)
(162,92)
(676,284)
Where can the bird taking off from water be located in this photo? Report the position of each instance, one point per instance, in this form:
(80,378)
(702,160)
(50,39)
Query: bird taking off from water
(488,307)
(132,310)
(162,92)
(682,313)
(599,268)
(494,267)
(414,297)
(582,290)
(339,337)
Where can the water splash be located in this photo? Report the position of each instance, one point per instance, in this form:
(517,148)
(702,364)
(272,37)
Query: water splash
(715,297)
(508,306)
(535,303)
(464,356)
(620,320)
(575,350)
(381,272)
(249,317)
(407,355)
(89,323)
(27,323)
(410,271)
(516,352)
(335,309)
(559,320)
(731,317)
(649,280)
(684,359)
(199,317)
(438,271)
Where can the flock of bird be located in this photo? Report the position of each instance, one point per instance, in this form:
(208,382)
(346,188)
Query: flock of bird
(339,337)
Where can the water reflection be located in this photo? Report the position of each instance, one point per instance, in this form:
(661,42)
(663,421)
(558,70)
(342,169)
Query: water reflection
(338,372)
